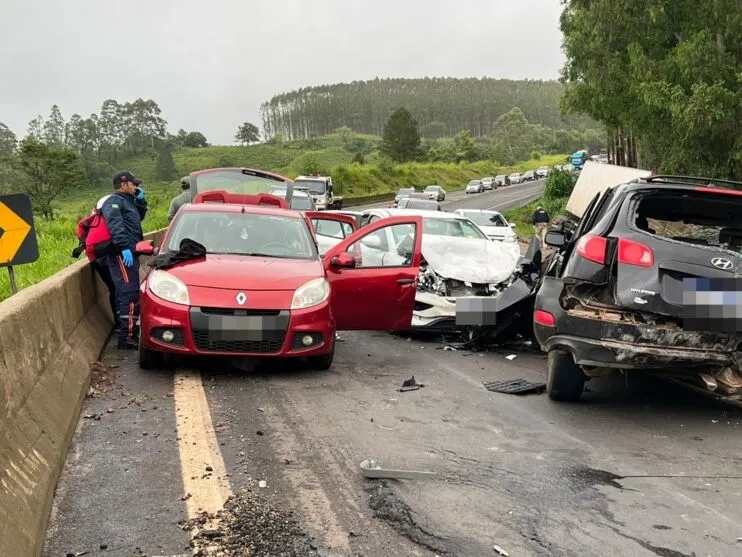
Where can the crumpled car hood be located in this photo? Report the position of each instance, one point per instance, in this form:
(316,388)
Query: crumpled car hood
(470,259)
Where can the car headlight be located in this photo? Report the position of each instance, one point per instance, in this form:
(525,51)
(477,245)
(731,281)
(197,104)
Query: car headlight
(310,294)
(511,238)
(168,287)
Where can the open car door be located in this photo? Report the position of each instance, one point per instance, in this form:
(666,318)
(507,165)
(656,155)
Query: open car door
(373,275)
(329,229)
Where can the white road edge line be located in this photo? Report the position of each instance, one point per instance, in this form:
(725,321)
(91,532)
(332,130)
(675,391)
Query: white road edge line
(198,448)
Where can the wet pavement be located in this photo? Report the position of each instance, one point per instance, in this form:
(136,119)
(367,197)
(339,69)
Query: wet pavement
(646,469)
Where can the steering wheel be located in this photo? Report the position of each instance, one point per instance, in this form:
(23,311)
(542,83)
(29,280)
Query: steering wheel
(281,247)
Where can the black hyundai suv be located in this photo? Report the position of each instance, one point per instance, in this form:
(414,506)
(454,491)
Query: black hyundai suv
(649,279)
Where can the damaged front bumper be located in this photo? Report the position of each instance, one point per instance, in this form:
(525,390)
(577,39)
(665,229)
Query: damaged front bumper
(441,313)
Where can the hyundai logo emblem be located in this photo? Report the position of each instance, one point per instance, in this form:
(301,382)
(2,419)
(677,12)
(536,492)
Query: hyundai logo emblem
(722,263)
(241,298)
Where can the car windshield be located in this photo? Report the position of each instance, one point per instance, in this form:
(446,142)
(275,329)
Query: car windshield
(515,175)
(315,187)
(412,203)
(244,234)
(500,177)
(486,219)
(299,201)
(234,181)
(432,188)
(457,228)
(474,183)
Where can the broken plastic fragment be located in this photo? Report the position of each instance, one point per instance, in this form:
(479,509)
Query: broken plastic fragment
(410,385)
(262,483)
(371,470)
(511,357)
(500,551)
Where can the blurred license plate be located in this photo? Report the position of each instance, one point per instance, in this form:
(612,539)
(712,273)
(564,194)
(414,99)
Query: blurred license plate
(712,304)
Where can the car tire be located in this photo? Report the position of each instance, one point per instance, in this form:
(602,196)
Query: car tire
(150,359)
(565,381)
(322,363)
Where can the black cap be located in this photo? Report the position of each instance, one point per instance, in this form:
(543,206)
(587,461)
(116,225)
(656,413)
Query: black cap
(125,176)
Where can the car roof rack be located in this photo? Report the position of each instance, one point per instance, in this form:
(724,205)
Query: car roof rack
(221,196)
(692,180)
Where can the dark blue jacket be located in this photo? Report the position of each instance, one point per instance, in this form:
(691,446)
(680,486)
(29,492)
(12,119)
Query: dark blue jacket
(124,215)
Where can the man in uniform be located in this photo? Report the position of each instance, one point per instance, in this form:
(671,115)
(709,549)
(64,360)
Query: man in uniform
(124,211)
(540,223)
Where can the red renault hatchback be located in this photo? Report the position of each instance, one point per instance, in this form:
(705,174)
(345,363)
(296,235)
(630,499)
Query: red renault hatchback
(241,275)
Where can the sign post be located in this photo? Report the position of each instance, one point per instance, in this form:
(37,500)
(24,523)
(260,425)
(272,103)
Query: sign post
(18,244)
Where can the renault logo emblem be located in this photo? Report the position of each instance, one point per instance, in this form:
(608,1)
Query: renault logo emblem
(241,298)
(722,263)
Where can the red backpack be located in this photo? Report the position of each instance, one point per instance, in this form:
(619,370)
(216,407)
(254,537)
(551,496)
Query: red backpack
(94,237)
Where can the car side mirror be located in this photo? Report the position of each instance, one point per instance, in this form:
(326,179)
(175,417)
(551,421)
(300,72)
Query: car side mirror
(555,238)
(373,242)
(343,260)
(511,224)
(145,247)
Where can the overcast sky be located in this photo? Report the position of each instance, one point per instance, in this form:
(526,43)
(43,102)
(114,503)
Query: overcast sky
(209,65)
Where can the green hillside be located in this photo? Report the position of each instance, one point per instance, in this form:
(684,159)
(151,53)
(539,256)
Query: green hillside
(57,238)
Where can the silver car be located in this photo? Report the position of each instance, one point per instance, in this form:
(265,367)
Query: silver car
(475,186)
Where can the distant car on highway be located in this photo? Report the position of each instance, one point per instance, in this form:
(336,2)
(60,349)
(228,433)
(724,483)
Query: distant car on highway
(436,192)
(492,223)
(241,276)
(502,180)
(529,176)
(515,178)
(402,193)
(420,204)
(475,186)
(488,183)
(542,171)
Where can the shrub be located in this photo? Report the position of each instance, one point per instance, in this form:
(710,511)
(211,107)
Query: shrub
(559,184)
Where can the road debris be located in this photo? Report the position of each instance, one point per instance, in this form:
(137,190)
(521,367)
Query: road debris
(511,357)
(371,470)
(262,483)
(515,387)
(500,551)
(249,525)
(448,348)
(96,417)
(410,385)
(109,410)
(186,497)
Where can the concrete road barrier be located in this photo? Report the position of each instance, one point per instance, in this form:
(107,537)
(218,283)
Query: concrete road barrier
(50,333)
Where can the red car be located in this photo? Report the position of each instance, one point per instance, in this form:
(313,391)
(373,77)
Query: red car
(260,287)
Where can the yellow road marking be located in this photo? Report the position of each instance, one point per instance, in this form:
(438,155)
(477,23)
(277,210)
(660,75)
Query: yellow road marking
(199,448)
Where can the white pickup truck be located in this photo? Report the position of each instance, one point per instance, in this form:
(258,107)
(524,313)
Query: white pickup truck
(321,191)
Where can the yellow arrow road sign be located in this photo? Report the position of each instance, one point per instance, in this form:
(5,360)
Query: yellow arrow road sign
(15,232)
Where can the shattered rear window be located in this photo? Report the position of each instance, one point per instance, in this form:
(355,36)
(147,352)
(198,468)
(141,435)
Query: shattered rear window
(702,219)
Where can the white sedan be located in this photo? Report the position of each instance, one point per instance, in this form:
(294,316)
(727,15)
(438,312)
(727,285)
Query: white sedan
(492,223)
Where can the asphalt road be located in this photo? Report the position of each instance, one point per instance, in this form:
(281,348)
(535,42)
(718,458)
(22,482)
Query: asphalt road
(638,469)
(502,199)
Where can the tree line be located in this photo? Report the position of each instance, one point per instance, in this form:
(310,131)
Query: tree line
(511,139)
(442,106)
(56,154)
(663,77)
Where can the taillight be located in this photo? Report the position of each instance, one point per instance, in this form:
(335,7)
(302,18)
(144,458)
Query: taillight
(634,253)
(544,318)
(592,248)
